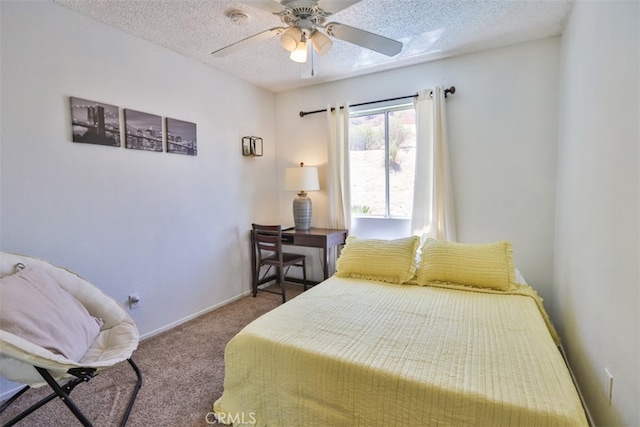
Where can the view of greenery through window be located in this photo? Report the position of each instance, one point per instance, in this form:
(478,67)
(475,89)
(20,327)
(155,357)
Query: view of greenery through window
(382,148)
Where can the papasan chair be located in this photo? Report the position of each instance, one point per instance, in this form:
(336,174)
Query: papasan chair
(57,329)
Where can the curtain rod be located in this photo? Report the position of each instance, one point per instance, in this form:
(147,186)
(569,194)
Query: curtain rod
(448,91)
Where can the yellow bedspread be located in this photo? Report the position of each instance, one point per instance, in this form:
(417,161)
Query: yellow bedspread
(364,353)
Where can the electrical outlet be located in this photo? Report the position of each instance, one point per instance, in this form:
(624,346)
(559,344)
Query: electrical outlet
(134,301)
(608,385)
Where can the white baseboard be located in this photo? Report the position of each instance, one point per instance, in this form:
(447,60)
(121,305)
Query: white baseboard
(573,377)
(7,394)
(191,317)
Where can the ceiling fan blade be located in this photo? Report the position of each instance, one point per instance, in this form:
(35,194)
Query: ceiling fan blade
(335,6)
(272,6)
(239,45)
(364,38)
(276,6)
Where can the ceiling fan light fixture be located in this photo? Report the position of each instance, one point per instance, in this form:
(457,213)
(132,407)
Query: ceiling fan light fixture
(321,42)
(305,31)
(300,53)
(289,39)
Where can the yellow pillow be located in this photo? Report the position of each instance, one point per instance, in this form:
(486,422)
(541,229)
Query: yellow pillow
(392,261)
(481,265)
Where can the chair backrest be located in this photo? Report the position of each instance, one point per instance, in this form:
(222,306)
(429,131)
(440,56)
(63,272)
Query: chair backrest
(267,238)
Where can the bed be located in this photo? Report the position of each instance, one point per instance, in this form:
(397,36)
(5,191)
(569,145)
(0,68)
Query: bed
(404,343)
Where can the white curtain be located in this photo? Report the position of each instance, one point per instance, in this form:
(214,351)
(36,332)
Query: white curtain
(338,179)
(433,210)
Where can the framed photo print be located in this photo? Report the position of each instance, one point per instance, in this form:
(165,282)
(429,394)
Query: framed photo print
(143,131)
(94,122)
(181,137)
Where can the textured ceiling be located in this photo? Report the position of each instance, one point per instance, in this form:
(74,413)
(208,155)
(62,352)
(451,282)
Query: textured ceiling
(429,29)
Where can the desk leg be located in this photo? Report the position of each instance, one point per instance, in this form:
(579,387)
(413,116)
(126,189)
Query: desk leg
(254,273)
(325,267)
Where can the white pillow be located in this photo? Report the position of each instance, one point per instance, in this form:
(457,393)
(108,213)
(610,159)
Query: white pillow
(520,278)
(34,307)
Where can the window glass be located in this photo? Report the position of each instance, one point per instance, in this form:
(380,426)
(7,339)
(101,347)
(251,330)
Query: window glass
(382,145)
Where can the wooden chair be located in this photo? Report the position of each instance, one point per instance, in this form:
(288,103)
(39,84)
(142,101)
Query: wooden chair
(268,250)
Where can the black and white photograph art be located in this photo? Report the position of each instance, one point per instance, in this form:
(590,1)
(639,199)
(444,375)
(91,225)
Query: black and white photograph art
(143,131)
(181,137)
(94,122)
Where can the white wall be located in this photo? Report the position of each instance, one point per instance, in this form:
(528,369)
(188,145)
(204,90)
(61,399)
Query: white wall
(596,289)
(503,136)
(173,228)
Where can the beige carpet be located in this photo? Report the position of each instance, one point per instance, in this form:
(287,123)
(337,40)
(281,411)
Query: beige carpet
(182,373)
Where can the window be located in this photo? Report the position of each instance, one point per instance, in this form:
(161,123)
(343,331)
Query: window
(382,149)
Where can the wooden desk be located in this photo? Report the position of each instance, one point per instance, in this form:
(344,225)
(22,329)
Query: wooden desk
(322,238)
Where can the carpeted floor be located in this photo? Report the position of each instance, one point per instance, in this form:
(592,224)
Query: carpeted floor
(182,371)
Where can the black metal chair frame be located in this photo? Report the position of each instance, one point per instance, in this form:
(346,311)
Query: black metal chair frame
(62,391)
(268,239)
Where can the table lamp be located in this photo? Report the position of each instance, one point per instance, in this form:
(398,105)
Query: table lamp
(301,179)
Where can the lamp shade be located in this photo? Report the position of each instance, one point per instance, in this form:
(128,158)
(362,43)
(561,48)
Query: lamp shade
(301,179)
(300,53)
(290,38)
(321,42)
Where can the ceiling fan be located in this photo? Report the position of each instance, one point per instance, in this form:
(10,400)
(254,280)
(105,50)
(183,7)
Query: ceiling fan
(306,29)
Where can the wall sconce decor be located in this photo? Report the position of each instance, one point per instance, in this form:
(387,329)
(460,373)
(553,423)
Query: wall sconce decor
(251,146)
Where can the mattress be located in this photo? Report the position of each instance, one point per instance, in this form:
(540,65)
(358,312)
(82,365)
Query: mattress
(354,352)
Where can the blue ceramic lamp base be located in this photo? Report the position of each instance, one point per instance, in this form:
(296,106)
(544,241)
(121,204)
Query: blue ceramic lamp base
(302,211)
